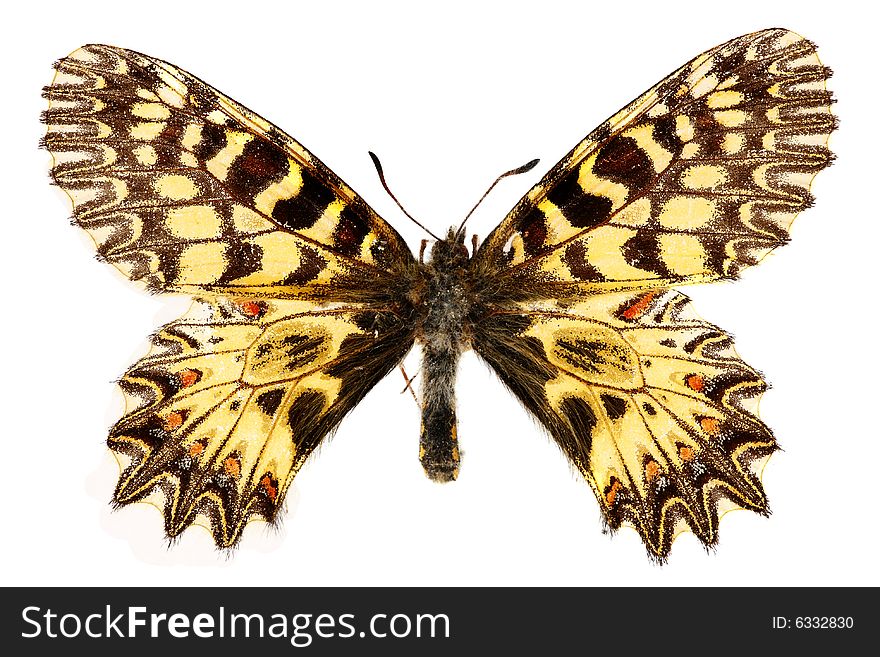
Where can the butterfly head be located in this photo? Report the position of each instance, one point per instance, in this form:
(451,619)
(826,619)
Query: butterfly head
(451,251)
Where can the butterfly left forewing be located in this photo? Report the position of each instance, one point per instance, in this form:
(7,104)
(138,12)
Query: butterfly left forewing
(234,397)
(184,188)
(649,402)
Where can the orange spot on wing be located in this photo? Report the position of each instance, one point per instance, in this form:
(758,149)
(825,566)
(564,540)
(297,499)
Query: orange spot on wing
(686,453)
(196,448)
(652,469)
(251,308)
(611,495)
(695,382)
(173,421)
(269,486)
(231,466)
(639,306)
(188,378)
(710,425)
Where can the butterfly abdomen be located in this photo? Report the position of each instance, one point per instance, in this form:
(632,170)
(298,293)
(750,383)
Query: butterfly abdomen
(438,442)
(444,335)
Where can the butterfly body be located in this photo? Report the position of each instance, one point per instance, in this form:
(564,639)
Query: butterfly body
(444,326)
(304,298)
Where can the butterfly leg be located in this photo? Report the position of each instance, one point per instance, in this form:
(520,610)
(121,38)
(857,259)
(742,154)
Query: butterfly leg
(473,245)
(422,251)
(409,382)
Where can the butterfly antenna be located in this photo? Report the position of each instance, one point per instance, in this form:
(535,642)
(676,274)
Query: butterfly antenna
(378,166)
(528,166)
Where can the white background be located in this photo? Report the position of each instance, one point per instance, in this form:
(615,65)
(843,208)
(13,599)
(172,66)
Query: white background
(448,97)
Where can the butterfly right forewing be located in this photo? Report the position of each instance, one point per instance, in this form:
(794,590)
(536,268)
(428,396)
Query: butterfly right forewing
(698,178)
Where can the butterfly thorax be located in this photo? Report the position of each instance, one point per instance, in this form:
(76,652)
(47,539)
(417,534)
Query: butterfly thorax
(446,295)
(444,305)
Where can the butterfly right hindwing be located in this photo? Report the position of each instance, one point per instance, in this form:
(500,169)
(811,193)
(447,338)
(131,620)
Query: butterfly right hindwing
(650,403)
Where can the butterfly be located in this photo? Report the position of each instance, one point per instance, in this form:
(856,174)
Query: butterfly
(304,298)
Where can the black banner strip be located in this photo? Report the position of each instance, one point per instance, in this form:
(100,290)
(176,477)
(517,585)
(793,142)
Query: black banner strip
(422,621)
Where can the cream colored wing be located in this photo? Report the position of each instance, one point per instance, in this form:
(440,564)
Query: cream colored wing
(696,179)
(649,402)
(233,398)
(189,191)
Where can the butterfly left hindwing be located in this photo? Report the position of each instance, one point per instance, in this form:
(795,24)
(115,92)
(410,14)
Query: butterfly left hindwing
(234,397)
